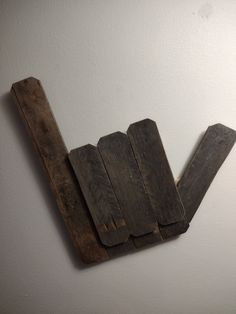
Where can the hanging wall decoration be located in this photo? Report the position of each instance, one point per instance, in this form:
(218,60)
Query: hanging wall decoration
(120,195)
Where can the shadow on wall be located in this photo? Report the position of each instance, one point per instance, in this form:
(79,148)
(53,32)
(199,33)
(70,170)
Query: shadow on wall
(188,160)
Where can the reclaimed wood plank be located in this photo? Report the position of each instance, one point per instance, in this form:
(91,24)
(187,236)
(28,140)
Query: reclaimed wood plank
(156,172)
(36,113)
(204,165)
(126,180)
(99,195)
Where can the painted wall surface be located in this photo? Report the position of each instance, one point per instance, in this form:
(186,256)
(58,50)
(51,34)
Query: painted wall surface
(105,64)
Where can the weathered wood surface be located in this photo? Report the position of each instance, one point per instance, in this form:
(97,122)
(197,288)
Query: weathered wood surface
(121,249)
(99,195)
(35,110)
(174,229)
(156,172)
(127,183)
(162,233)
(143,186)
(147,239)
(205,163)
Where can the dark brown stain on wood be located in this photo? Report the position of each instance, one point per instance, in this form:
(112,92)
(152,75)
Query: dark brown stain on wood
(35,110)
(99,195)
(205,163)
(126,181)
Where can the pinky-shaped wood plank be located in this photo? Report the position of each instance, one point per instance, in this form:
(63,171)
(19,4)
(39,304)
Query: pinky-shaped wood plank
(210,154)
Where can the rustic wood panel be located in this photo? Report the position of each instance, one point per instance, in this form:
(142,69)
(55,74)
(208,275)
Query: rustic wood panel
(205,163)
(140,176)
(35,110)
(126,180)
(156,172)
(99,195)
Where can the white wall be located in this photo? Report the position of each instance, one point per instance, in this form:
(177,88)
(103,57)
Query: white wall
(105,64)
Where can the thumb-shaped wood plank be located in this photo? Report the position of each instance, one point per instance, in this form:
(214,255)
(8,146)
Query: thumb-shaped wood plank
(101,200)
(204,165)
(36,113)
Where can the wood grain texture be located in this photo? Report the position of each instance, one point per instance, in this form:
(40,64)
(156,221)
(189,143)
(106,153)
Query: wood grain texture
(99,195)
(156,172)
(127,183)
(204,165)
(35,110)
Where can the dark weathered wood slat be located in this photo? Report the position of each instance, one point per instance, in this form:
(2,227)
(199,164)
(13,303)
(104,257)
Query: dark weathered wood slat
(174,229)
(147,239)
(156,172)
(35,110)
(99,195)
(163,233)
(205,163)
(121,249)
(126,180)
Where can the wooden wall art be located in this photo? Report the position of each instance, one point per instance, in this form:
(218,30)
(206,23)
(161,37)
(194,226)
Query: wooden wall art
(119,195)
